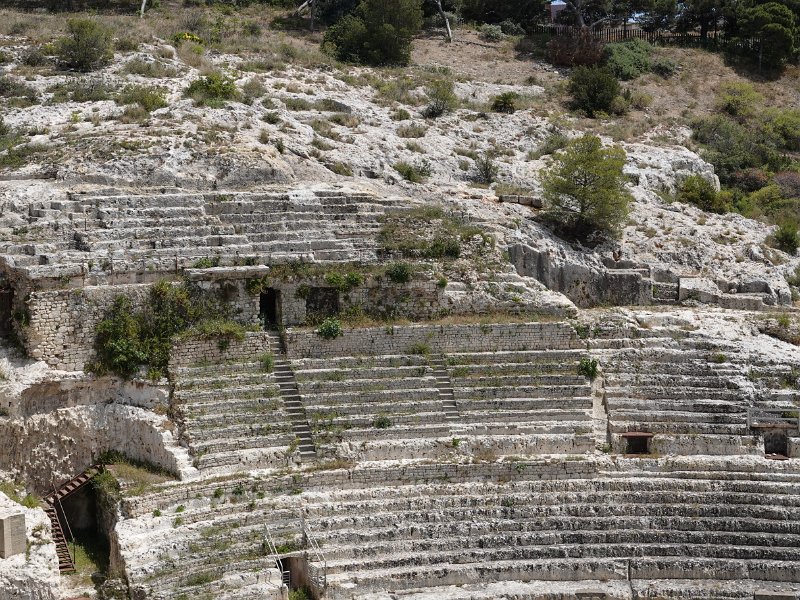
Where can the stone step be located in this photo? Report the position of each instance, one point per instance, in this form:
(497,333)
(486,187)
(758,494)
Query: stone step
(276,441)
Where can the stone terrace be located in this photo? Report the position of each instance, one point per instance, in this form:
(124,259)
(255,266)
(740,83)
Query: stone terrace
(693,397)
(107,237)
(523,498)
(232,416)
(701,528)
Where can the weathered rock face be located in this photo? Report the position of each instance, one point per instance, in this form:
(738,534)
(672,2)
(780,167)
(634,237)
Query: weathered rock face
(57,425)
(32,575)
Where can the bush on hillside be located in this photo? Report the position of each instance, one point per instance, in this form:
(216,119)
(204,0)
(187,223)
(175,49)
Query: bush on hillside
(127,339)
(750,180)
(789,183)
(505,103)
(784,125)
(212,90)
(786,237)
(593,89)
(491,33)
(664,67)
(629,59)
(738,99)
(442,99)
(584,192)
(377,33)
(697,190)
(731,146)
(87,45)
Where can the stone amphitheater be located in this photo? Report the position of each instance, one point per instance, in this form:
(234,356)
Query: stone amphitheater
(527,420)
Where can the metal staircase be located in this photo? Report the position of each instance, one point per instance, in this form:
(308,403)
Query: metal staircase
(55,511)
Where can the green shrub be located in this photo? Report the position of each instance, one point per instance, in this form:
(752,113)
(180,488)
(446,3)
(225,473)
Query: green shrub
(784,125)
(510,27)
(118,340)
(629,59)
(149,98)
(416,173)
(127,339)
(554,142)
(697,190)
(486,170)
(212,90)
(330,329)
(491,33)
(505,103)
(786,237)
(444,246)
(738,99)
(10,88)
(399,272)
(664,67)
(584,192)
(340,168)
(641,100)
(731,146)
(442,99)
(79,90)
(411,131)
(588,367)
(593,89)
(87,45)
(378,33)
(382,422)
(419,349)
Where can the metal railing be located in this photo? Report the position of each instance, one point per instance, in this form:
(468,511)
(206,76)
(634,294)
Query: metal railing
(317,575)
(285,574)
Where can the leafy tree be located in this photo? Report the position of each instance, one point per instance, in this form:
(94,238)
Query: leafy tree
(658,14)
(593,89)
(378,33)
(776,25)
(702,14)
(585,191)
(87,45)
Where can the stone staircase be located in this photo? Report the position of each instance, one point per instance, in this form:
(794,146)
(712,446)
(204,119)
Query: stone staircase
(294,407)
(445,386)
(284,376)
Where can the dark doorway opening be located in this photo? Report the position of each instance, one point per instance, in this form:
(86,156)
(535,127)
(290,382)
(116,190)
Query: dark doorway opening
(776,443)
(269,308)
(82,522)
(637,442)
(6,311)
(322,303)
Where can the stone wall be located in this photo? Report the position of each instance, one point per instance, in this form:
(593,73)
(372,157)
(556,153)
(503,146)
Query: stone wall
(584,285)
(417,299)
(62,323)
(199,351)
(435,338)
